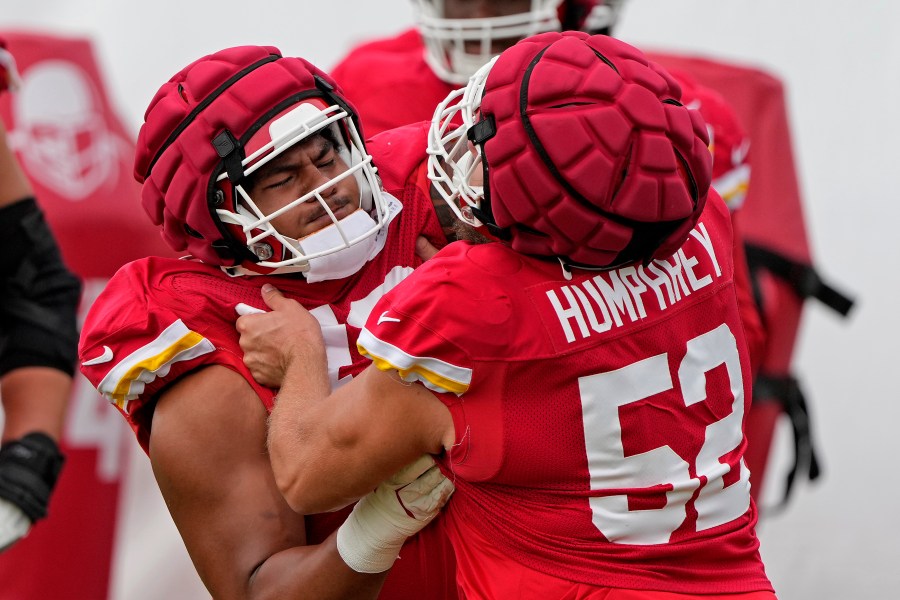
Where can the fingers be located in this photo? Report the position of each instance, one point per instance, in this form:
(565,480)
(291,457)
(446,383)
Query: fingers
(412,471)
(425,249)
(424,497)
(271,296)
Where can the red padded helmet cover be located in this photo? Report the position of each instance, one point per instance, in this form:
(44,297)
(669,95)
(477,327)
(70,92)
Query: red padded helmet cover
(594,159)
(234,89)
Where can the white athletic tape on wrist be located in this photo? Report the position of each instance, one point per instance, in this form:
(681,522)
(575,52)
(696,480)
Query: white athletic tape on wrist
(370,539)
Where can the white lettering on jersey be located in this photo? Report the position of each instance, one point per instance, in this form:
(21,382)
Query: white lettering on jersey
(337,341)
(701,235)
(613,469)
(615,297)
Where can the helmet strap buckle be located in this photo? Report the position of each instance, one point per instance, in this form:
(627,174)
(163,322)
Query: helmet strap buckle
(229,149)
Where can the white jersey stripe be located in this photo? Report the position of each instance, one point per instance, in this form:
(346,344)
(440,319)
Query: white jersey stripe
(433,373)
(127,379)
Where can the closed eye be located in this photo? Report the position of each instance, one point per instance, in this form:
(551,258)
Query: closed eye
(279,183)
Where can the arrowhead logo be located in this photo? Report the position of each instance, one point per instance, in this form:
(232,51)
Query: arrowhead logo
(105,357)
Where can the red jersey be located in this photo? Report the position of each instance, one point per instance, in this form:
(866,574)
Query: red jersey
(728,142)
(159,319)
(389,82)
(391,85)
(599,417)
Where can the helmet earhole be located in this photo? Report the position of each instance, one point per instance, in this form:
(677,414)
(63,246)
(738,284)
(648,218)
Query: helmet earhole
(219,198)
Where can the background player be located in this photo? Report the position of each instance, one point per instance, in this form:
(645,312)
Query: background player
(587,379)
(253,164)
(38,342)
(453,38)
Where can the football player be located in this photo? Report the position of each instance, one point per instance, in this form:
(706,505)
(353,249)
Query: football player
(38,342)
(453,38)
(253,164)
(581,369)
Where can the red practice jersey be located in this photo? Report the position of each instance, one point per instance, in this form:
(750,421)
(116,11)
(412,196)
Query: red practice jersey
(389,82)
(599,417)
(728,142)
(160,319)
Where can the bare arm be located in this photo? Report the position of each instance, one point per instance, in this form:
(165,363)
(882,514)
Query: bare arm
(34,399)
(207,448)
(37,346)
(329,450)
(14,186)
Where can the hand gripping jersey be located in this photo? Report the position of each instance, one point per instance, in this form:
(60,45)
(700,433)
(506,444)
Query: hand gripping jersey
(598,418)
(159,319)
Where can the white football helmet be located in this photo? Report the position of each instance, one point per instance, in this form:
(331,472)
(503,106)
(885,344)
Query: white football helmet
(338,250)
(446,39)
(603,16)
(452,162)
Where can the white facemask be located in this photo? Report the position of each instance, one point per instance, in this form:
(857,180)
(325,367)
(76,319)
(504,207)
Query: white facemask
(347,261)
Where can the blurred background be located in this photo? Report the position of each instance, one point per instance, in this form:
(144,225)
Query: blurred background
(840,66)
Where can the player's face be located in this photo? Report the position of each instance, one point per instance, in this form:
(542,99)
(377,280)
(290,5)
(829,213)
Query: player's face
(299,170)
(482,9)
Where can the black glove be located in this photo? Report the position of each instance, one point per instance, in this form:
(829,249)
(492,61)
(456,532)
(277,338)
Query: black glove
(29,468)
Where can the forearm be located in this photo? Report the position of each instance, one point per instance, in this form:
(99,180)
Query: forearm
(34,399)
(207,450)
(298,433)
(312,572)
(338,449)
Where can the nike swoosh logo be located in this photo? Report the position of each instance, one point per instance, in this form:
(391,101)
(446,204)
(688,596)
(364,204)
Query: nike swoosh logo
(386,319)
(103,358)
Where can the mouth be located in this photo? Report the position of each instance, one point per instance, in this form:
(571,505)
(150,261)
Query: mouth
(341,208)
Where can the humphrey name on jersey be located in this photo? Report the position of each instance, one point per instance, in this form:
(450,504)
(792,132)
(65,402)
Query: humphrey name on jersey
(624,295)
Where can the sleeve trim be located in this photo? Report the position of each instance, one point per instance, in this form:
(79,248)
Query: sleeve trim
(435,374)
(128,379)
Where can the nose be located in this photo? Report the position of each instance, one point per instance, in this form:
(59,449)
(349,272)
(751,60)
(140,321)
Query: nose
(318,179)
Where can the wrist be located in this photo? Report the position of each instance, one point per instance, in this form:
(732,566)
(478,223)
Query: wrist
(29,469)
(367,544)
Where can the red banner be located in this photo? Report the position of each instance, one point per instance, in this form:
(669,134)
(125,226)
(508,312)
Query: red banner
(78,157)
(772,217)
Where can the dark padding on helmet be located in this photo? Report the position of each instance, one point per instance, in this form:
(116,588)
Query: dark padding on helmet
(594,158)
(176,161)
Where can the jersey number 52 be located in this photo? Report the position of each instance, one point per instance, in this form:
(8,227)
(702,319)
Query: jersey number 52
(662,468)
